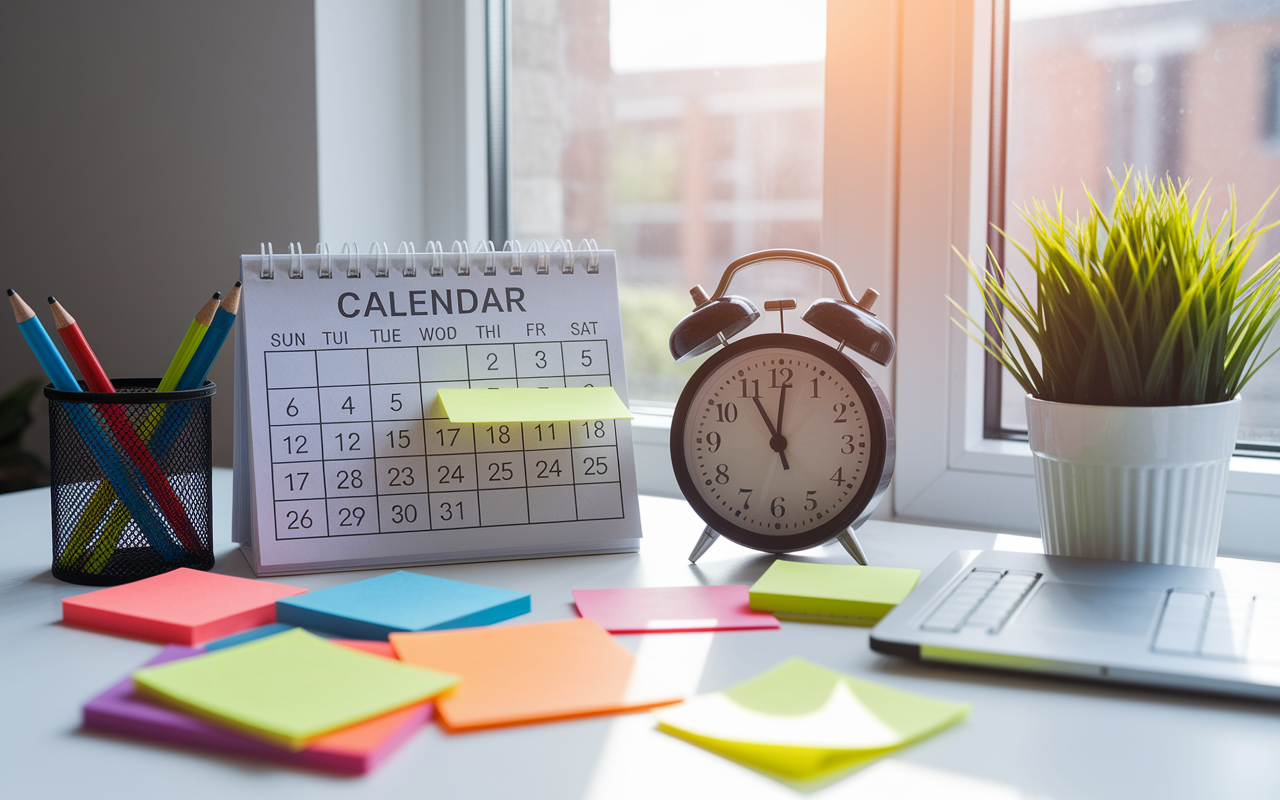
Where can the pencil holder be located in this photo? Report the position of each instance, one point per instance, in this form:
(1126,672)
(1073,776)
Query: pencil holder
(132,488)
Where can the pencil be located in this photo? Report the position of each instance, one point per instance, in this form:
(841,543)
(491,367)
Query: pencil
(117,473)
(47,354)
(195,332)
(104,497)
(95,377)
(135,449)
(202,360)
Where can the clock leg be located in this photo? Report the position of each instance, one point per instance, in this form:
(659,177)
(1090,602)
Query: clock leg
(705,541)
(851,544)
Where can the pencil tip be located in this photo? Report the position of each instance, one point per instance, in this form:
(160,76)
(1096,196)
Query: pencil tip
(11,293)
(217,295)
(52,300)
(237,283)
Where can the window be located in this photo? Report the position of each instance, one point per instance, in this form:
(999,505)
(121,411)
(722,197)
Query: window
(1168,88)
(683,134)
(906,118)
(1147,61)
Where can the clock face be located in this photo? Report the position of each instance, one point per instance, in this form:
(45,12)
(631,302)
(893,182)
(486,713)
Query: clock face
(782,439)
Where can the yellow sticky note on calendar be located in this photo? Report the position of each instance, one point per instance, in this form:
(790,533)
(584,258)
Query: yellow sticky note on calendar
(533,405)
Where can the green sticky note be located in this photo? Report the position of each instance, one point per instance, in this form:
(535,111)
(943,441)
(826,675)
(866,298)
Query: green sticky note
(802,721)
(838,593)
(533,405)
(289,688)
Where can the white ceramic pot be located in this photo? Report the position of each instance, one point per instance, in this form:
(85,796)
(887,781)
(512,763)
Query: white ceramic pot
(1135,484)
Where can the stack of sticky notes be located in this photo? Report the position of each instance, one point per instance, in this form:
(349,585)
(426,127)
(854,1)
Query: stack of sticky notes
(292,697)
(520,674)
(669,609)
(802,722)
(185,606)
(398,602)
(835,593)
(353,750)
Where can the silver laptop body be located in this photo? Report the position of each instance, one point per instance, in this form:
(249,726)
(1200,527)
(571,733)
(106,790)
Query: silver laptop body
(1119,621)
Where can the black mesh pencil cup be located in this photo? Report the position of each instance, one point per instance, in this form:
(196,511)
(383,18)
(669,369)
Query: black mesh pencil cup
(132,492)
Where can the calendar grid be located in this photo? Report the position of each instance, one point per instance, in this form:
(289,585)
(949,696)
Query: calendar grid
(389,462)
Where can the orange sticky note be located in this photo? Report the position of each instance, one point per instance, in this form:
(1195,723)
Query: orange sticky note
(517,674)
(185,606)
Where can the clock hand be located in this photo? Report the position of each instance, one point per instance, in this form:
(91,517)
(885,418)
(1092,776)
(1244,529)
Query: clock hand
(781,444)
(776,442)
(782,404)
(773,433)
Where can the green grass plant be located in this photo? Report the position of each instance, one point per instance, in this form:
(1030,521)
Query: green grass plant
(1148,306)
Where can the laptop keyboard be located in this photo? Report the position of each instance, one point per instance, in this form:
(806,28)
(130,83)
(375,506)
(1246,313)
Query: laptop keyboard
(983,600)
(1219,625)
(1207,624)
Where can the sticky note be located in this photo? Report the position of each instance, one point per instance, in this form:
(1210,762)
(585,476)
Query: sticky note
(290,688)
(517,674)
(185,606)
(837,593)
(800,720)
(677,608)
(401,601)
(533,405)
(354,750)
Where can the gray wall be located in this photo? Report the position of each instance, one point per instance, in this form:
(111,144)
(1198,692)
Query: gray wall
(144,145)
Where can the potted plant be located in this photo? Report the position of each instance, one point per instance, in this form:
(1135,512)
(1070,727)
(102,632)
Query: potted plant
(1133,347)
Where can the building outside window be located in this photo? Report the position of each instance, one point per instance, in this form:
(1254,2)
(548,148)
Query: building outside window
(681,134)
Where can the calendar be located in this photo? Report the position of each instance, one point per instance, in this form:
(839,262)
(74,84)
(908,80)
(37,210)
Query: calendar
(345,456)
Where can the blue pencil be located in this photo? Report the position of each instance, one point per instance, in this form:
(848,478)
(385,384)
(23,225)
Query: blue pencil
(116,469)
(42,345)
(202,360)
(175,419)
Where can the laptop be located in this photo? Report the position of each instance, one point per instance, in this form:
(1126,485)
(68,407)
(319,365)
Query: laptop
(1117,621)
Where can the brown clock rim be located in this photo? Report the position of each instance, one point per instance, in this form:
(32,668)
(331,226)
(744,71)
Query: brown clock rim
(873,484)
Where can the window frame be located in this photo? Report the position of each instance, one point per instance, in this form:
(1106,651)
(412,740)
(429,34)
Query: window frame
(948,470)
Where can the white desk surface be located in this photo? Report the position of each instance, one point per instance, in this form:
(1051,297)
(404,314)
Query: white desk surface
(1025,737)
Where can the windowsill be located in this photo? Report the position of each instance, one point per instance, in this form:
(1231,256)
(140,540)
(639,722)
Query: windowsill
(651,433)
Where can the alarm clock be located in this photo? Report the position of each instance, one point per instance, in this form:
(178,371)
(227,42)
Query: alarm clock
(781,442)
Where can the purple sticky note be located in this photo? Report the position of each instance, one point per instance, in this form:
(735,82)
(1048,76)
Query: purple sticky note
(678,608)
(355,750)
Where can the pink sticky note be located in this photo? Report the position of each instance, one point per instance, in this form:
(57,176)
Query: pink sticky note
(185,606)
(677,608)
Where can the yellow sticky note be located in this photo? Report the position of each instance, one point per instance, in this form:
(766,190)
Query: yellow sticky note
(533,405)
(844,594)
(289,688)
(802,721)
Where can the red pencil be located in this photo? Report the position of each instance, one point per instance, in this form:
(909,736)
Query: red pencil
(96,377)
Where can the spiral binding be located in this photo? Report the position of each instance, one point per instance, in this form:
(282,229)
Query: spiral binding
(434,259)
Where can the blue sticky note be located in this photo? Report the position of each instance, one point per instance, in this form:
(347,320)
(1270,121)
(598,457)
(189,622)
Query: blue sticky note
(248,636)
(401,601)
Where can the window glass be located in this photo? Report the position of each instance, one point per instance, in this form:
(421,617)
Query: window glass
(1190,89)
(683,134)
